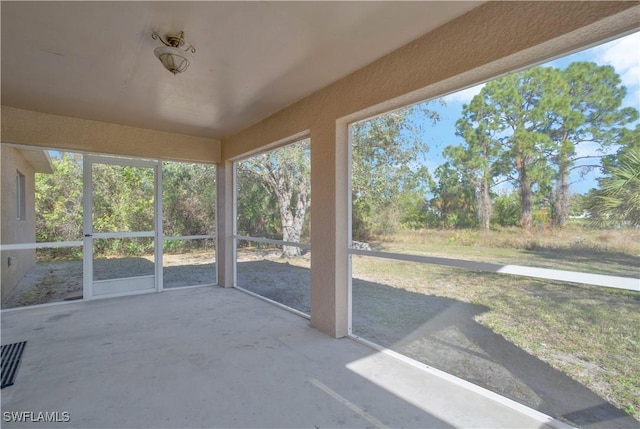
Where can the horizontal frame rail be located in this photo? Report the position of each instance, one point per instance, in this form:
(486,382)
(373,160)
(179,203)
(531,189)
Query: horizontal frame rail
(122,161)
(47,245)
(188,237)
(627,283)
(55,244)
(138,234)
(271,241)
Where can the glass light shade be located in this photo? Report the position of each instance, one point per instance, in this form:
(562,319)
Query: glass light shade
(173,59)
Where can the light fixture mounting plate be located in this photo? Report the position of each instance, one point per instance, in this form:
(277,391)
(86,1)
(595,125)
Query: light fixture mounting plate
(174,41)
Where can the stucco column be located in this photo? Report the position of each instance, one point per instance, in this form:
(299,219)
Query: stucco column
(329,228)
(225,249)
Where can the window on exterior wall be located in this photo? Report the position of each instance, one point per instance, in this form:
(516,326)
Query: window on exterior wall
(273,199)
(495,235)
(21,196)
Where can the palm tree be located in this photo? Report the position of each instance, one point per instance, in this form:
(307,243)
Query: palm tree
(618,199)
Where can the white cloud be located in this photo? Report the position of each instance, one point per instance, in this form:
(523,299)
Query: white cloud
(465,95)
(624,55)
(593,149)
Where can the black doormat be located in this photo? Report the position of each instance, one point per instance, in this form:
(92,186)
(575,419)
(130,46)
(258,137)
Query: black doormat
(11,357)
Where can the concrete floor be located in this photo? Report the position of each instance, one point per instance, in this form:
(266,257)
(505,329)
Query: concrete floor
(213,357)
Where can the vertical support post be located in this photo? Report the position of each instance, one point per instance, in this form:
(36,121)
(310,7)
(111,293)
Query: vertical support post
(329,228)
(159,231)
(342,126)
(87,228)
(225,229)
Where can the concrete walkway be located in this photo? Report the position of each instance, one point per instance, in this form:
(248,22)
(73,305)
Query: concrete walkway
(213,357)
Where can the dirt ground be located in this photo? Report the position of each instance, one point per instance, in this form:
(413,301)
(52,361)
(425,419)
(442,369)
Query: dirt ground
(58,281)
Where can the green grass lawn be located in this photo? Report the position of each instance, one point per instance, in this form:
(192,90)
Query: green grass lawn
(592,334)
(611,252)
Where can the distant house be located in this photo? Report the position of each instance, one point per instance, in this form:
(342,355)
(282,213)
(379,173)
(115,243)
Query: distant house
(18,216)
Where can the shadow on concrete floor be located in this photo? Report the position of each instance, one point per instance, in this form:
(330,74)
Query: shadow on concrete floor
(443,333)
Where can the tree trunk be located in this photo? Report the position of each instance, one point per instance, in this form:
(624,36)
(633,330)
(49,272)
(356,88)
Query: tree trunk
(527,209)
(526,195)
(561,209)
(292,218)
(291,187)
(484,206)
(290,232)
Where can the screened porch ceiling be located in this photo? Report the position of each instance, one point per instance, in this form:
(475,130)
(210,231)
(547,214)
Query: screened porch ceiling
(94,60)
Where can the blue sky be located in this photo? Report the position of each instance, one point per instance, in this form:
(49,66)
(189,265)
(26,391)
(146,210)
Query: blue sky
(623,54)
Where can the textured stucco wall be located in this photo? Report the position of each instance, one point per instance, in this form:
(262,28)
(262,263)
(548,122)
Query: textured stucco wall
(13,230)
(491,40)
(41,129)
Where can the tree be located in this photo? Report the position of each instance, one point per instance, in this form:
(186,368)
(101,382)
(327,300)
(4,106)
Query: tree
(188,199)
(188,204)
(123,199)
(258,213)
(413,208)
(514,109)
(58,199)
(455,201)
(285,174)
(477,156)
(629,141)
(386,164)
(506,209)
(587,111)
(617,201)
(539,117)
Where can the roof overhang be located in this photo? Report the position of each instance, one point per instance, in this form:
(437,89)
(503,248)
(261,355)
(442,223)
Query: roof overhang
(39,160)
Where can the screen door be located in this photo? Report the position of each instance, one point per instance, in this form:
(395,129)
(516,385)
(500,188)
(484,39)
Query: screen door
(121,241)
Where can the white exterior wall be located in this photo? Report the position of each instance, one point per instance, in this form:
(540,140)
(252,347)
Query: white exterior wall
(14,230)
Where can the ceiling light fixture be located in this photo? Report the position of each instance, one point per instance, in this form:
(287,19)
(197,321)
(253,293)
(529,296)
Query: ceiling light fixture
(174,56)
